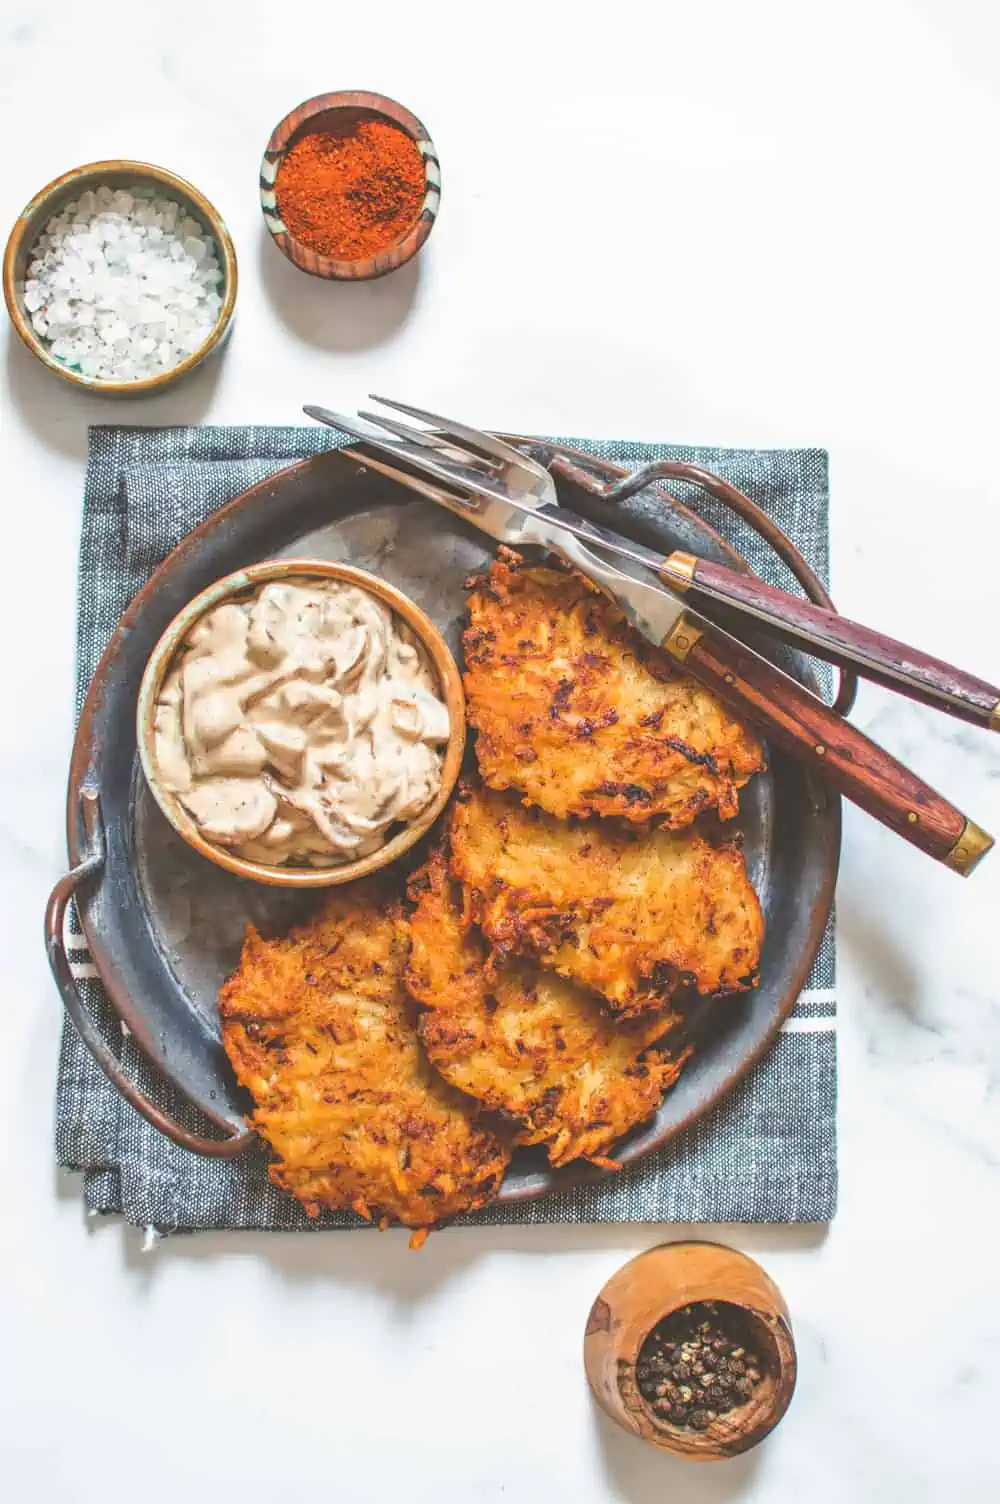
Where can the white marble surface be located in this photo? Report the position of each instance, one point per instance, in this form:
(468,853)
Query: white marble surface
(746,224)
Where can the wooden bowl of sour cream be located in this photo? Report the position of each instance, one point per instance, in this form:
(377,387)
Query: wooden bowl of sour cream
(244,586)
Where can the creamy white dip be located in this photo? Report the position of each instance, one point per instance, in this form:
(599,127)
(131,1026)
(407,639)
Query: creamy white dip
(301,724)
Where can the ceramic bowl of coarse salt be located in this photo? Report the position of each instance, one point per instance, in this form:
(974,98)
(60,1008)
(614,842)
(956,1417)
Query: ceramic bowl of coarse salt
(120,277)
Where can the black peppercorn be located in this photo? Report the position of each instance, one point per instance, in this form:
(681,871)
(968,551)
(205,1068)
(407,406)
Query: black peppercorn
(699,1363)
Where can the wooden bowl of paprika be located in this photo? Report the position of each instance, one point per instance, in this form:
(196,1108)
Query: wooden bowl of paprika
(350,186)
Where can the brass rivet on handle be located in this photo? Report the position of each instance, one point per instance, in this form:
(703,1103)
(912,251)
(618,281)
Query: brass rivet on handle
(913,817)
(820,750)
(730,678)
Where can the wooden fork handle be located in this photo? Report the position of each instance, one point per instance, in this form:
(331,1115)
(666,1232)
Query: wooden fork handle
(844,757)
(840,641)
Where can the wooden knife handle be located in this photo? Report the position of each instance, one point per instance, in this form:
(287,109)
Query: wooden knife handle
(844,757)
(840,641)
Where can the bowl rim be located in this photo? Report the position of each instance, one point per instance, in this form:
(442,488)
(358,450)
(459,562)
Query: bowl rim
(41,205)
(368,267)
(254,575)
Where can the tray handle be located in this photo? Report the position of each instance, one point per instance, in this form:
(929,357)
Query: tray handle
(104,1057)
(764,526)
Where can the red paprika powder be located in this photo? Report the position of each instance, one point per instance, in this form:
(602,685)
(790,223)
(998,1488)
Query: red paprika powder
(349,193)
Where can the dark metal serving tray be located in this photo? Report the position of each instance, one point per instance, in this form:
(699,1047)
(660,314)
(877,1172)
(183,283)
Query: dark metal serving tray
(164,927)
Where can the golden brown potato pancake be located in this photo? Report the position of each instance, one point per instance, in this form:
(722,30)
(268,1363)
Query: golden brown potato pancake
(525,1041)
(320,1030)
(632,915)
(579,714)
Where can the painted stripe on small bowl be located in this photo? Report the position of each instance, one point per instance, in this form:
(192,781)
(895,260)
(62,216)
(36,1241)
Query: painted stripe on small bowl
(386,260)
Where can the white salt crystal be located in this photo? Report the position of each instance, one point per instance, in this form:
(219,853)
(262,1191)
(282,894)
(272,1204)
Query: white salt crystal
(123,283)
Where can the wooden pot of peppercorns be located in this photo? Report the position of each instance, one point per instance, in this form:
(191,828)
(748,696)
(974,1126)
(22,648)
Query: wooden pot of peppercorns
(690,1347)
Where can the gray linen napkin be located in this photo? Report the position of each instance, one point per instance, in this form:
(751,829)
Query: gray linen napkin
(767,1154)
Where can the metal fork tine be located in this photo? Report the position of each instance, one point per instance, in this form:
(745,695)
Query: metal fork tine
(450,471)
(403,430)
(417,484)
(482,443)
(340,420)
(418,436)
(361,432)
(460,505)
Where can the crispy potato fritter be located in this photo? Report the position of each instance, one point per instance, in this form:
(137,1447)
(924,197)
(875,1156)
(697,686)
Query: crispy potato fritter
(525,1041)
(319,1029)
(582,716)
(635,916)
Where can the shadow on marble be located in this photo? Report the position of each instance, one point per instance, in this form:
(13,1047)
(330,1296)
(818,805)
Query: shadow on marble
(342,316)
(639,1474)
(383,1262)
(891,974)
(60,414)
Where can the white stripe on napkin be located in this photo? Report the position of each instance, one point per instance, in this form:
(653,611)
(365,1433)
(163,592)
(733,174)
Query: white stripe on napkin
(87,971)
